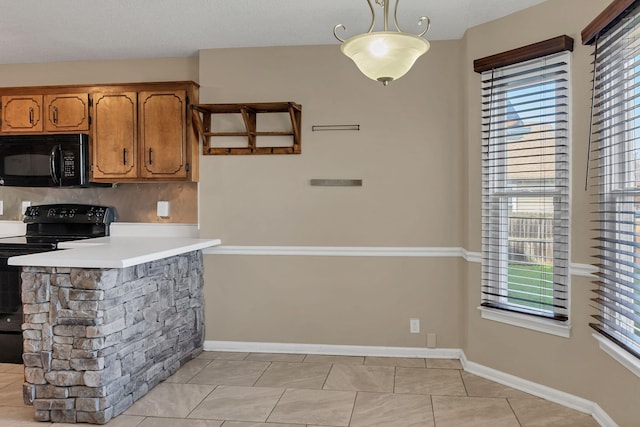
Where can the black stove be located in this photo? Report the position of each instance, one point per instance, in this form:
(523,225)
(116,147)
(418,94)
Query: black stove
(47,225)
(54,223)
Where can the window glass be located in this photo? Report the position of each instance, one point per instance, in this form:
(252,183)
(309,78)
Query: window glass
(526,187)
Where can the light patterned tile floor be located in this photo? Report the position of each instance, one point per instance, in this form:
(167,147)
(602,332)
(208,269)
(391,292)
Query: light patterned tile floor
(225,389)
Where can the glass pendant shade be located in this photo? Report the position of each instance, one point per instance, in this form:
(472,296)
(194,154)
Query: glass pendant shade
(385,55)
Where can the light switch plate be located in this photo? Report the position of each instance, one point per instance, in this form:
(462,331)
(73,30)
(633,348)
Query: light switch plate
(1,207)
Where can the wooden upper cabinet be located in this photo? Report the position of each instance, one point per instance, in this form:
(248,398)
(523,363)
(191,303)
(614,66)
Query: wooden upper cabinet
(48,113)
(163,134)
(139,132)
(66,112)
(115,136)
(22,113)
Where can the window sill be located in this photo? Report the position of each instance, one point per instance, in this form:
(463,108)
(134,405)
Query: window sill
(547,326)
(620,355)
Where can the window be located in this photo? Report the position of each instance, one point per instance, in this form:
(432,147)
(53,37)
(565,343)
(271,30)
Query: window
(525,186)
(616,159)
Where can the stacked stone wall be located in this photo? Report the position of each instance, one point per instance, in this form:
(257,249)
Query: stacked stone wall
(96,340)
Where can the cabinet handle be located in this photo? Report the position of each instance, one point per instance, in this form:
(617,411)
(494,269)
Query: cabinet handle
(31,115)
(124,156)
(55,115)
(150,156)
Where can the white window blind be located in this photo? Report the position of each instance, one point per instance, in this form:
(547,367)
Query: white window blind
(525,187)
(616,157)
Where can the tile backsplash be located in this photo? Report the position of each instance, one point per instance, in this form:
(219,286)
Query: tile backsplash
(133,202)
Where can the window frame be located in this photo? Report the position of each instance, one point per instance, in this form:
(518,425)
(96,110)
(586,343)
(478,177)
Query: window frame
(616,146)
(522,317)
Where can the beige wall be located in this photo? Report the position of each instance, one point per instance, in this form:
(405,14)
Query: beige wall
(408,153)
(332,300)
(89,72)
(574,365)
(134,202)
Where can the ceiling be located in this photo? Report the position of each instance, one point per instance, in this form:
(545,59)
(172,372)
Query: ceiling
(69,30)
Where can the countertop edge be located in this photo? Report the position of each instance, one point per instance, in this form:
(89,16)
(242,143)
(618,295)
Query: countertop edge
(113,252)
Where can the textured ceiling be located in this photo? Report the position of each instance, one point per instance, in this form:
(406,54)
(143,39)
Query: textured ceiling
(69,30)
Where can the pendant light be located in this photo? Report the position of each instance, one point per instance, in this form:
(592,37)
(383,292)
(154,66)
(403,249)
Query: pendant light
(384,55)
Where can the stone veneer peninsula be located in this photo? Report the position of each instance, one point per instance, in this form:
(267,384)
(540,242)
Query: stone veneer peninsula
(98,339)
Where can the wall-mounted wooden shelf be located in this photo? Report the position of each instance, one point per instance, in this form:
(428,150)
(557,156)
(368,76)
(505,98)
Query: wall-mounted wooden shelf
(249,112)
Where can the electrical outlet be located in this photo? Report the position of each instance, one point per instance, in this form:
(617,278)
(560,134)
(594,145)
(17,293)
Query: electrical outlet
(163,208)
(414,326)
(431,340)
(1,207)
(25,205)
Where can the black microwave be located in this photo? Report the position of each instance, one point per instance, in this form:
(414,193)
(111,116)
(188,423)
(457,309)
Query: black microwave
(51,160)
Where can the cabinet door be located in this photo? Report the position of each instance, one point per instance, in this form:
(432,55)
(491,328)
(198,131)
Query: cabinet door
(22,113)
(163,147)
(66,112)
(114,136)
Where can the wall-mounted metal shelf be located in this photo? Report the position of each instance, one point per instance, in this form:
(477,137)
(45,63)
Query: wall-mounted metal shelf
(324,182)
(320,128)
(203,122)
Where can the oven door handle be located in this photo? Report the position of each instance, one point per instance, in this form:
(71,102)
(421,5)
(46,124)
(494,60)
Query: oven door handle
(53,163)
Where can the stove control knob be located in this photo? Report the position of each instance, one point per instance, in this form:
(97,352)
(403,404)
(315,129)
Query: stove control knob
(52,212)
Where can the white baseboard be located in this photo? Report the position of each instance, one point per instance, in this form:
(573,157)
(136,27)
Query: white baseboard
(542,391)
(535,389)
(337,350)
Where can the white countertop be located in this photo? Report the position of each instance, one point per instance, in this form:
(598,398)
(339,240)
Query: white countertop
(119,250)
(113,252)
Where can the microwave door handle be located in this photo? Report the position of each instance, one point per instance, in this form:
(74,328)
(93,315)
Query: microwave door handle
(52,164)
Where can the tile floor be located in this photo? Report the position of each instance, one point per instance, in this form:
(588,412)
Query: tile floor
(225,389)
